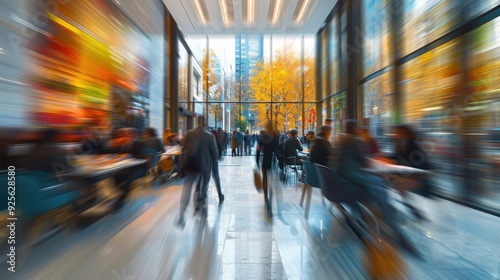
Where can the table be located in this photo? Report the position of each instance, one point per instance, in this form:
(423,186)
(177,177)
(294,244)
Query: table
(304,152)
(172,150)
(91,169)
(168,161)
(384,168)
(100,169)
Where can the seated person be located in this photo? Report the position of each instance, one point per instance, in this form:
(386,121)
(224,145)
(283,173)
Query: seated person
(320,146)
(45,155)
(151,140)
(370,146)
(126,144)
(93,143)
(409,153)
(173,139)
(292,144)
(308,138)
(350,168)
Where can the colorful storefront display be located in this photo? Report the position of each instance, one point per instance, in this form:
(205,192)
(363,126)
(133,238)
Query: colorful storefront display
(85,52)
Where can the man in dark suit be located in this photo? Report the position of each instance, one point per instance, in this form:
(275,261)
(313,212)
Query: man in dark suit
(199,156)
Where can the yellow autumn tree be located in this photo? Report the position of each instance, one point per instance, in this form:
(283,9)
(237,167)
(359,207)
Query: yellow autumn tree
(212,85)
(284,82)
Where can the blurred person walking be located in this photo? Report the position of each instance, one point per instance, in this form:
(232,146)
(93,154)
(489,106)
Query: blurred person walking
(234,144)
(199,156)
(247,143)
(239,141)
(268,142)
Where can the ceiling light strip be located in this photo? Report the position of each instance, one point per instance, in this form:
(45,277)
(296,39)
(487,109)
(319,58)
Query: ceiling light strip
(224,12)
(277,9)
(200,11)
(302,10)
(250,11)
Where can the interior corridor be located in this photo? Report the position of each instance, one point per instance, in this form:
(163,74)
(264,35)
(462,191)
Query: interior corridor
(238,241)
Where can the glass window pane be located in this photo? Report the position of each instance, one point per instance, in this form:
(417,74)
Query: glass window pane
(378,101)
(183,74)
(310,116)
(376,49)
(427,20)
(324,63)
(334,54)
(476,8)
(339,106)
(430,89)
(343,49)
(483,111)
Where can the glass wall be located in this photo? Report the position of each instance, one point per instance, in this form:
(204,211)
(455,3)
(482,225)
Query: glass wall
(255,78)
(444,83)
(430,94)
(482,109)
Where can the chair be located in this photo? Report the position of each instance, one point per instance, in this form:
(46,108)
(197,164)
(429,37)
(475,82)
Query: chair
(292,165)
(152,156)
(337,190)
(312,180)
(43,199)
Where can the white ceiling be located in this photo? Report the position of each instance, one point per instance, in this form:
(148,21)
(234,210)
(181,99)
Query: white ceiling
(187,15)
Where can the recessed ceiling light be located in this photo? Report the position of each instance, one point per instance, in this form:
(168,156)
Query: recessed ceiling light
(201,11)
(277,10)
(250,11)
(302,10)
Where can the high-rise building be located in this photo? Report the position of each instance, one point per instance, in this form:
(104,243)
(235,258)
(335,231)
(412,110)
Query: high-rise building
(249,49)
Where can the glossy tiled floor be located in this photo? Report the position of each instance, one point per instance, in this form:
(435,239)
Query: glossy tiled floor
(237,240)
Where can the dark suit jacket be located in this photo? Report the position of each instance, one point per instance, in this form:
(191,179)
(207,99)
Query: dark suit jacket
(319,151)
(199,151)
(291,146)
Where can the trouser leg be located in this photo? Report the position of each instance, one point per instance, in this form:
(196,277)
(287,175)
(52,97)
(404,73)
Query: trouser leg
(215,175)
(186,190)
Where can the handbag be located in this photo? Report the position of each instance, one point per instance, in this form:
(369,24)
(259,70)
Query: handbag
(257,178)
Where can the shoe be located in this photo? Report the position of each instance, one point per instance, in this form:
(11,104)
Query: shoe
(221,199)
(181,223)
(199,205)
